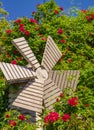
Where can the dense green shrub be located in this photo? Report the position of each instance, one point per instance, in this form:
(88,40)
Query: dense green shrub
(14,120)
(75,38)
(72,111)
(73,35)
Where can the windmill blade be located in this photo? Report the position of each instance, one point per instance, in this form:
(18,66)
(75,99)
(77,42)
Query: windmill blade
(51,92)
(51,54)
(23,47)
(15,73)
(67,78)
(31,97)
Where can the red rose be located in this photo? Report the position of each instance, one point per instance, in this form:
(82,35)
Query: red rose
(57,100)
(88,18)
(15,52)
(7,115)
(33,20)
(27,33)
(86,105)
(38,5)
(14,62)
(43,38)
(12,123)
(92,16)
(60,31)
(65,117)
(69,60)
(9,31)
(60,60)
(21,117)
(19,58)
(33,12)
(73,101)
(8,55)
(61,8)
(51,118)
(56,12)
(37,28)
(63,41)
(21,29)
(21,25)
(18,21)
(61,95)
(83,10)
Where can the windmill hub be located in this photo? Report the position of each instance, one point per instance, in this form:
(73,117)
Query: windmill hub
(41,73)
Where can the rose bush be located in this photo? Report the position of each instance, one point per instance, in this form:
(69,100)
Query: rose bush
(72,111)
(73,35)
(75,38)
(14,120)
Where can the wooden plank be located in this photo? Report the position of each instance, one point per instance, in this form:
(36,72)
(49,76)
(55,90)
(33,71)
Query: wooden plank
(28,96)
(51,93)
(55,46)
(31,95)
(76,80)
(21,43)
(48,84)
(23,46)
(51,54)
(27,107)
(5,72)
(50,101)
(26,51)
(18,71)
(15,71)
(31,100)
(18,39)
(29,103)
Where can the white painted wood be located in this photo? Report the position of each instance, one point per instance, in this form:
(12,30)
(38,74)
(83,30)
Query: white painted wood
(21,43)
(54,54)
(27,107)
(16,73)
(26,51)
(4,71)
(31,95)
(19,39)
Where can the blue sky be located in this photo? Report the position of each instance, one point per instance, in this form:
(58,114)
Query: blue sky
(20,8)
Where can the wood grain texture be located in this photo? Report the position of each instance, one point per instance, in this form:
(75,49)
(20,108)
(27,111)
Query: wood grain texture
(51,54)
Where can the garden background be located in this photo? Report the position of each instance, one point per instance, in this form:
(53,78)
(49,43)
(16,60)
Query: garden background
(74,35)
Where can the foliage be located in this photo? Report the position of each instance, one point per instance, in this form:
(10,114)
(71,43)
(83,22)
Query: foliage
(75,38)
(74,109)
(3,96)
(14,120)
(73,35)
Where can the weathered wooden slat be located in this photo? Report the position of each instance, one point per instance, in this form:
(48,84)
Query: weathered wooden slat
(19,39)
(31,95)
(7,76)
(28,96)
(25,50)
(16,73)
(51,92)
(51,52)
(7,70)
(21,43)
(67,78)
(55,46)
(23,46)
(77,73)
(27,107)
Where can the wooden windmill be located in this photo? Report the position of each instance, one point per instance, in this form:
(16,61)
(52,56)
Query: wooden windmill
(43,84)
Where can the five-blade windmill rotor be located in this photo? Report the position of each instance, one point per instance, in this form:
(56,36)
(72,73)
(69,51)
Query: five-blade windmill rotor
(43,84)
